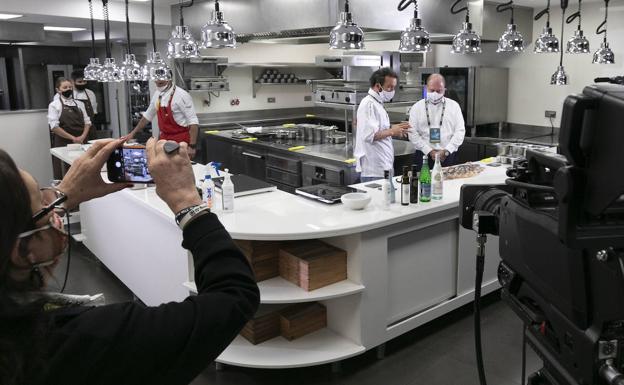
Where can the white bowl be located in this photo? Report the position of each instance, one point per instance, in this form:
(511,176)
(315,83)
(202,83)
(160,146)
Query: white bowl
(356,201)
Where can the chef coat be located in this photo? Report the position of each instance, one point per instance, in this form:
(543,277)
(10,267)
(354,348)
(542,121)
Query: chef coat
(373,157)
(452,131)
(56,108)
(181,106)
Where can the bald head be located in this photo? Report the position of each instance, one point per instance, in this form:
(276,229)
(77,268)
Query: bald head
(436,83)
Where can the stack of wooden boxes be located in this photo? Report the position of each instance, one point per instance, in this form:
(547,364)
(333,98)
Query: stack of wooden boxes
(308,264)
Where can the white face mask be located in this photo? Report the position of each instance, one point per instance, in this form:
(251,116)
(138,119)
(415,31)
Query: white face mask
(435,97)
(386,96)
(161,89)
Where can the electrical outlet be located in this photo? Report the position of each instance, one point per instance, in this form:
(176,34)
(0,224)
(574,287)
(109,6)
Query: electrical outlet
(307,98)
(271,100)
(550,114)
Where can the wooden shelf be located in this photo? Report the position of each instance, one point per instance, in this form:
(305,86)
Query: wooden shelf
(279,291)
(321,347)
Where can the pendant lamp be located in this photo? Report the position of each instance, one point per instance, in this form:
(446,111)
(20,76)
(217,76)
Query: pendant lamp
(130,69)
(466,41)
(560,78)
(511,40)
(547,42)
(577,43)
(604,55)
(217,33)
(414,38)
(155,67)
(110,72)
(92,71)
(182,44)
(346,34)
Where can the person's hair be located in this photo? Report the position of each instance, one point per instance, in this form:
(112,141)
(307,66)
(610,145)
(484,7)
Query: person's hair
(379,76)
(21,325)
(59,81)
(435,76)
(77,74)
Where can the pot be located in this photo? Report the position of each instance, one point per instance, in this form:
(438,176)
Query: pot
(286,134)
(504,148)
(308,131)
(323,133)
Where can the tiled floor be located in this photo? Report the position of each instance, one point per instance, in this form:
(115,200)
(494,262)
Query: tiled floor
(441,353)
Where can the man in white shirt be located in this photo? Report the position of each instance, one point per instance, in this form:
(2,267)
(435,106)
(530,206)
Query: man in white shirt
(177,119)
(374,151)
(437,125)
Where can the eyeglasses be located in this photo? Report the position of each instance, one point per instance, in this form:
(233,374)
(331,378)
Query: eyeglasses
(52,200)
(54,223)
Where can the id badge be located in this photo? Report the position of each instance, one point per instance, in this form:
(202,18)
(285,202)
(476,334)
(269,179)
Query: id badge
(434,135)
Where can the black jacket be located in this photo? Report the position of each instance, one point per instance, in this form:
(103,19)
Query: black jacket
(128,343)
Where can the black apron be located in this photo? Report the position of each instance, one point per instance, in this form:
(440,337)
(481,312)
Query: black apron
(73,123)
(90,112)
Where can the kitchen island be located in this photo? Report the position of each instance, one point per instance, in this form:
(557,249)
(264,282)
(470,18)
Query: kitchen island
(406,265)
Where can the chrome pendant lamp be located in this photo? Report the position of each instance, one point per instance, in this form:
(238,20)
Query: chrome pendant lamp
(110,72)
(217,33)
(182,44)
(466,41)
(346,34)
(547,42)
(511,40)
(604,55)
(414,38)
(130,69)
(155,67)
(560,78)
(92,71)
(577,43)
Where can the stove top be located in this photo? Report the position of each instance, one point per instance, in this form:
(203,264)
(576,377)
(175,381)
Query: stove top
(325,193)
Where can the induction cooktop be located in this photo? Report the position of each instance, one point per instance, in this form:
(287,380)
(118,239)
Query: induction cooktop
(326,193)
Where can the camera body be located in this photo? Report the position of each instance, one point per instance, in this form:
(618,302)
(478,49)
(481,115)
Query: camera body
(560,218)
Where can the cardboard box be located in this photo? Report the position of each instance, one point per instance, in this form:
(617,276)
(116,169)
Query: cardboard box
(312,264)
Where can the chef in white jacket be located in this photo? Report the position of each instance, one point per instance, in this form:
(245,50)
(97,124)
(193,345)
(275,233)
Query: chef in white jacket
(374,151)
(437,125)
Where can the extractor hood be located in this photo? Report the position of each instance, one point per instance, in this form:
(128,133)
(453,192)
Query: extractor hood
(17,32)
(310,21)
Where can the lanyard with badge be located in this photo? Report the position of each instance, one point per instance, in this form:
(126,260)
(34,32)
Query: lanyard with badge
(435,132)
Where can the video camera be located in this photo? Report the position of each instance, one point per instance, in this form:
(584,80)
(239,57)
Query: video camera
(560,218)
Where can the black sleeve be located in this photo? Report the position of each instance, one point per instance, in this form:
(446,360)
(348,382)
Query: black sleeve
(169,344)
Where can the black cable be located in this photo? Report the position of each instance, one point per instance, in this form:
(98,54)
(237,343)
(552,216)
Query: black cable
(68,250)
(575,15)
(455,11)
(347,6)
(477,308)
(92,29)
(543,12)
(153,27)
(506,7)
(524,344)
(563,12)
(182,6)
(602,28)
(106,28)
(128,26)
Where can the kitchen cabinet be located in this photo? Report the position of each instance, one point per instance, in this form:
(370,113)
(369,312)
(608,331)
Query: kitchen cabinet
(246,160)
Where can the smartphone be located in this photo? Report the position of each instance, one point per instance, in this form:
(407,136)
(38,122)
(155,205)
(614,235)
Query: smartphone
(128,164)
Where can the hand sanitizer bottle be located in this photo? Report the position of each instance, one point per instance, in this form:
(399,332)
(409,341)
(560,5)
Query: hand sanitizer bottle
(227,192)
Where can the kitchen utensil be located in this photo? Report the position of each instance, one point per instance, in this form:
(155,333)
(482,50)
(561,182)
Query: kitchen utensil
(337,139)
(286,134)
(356,201)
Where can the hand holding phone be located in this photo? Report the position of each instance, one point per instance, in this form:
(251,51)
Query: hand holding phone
(128,164)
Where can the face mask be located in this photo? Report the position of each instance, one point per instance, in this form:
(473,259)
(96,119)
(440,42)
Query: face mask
(435,97)
(80,87)
(68,94)
(387,96)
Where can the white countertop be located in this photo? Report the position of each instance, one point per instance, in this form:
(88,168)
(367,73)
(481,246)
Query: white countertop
(282,216)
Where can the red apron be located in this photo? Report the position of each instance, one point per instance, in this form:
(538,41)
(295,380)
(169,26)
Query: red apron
(169,129)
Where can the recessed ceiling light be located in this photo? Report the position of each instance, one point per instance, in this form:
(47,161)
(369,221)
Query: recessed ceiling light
(7,16)
(62,29)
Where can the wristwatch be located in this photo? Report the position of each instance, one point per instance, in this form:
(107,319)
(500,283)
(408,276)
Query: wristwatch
(185,216)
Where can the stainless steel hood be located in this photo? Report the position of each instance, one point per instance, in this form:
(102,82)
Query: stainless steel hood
(310,21)
(14,32)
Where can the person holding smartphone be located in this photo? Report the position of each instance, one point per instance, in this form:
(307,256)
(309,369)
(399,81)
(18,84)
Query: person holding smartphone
(44,342)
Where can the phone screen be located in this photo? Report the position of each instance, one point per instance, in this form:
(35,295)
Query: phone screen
(129,164)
